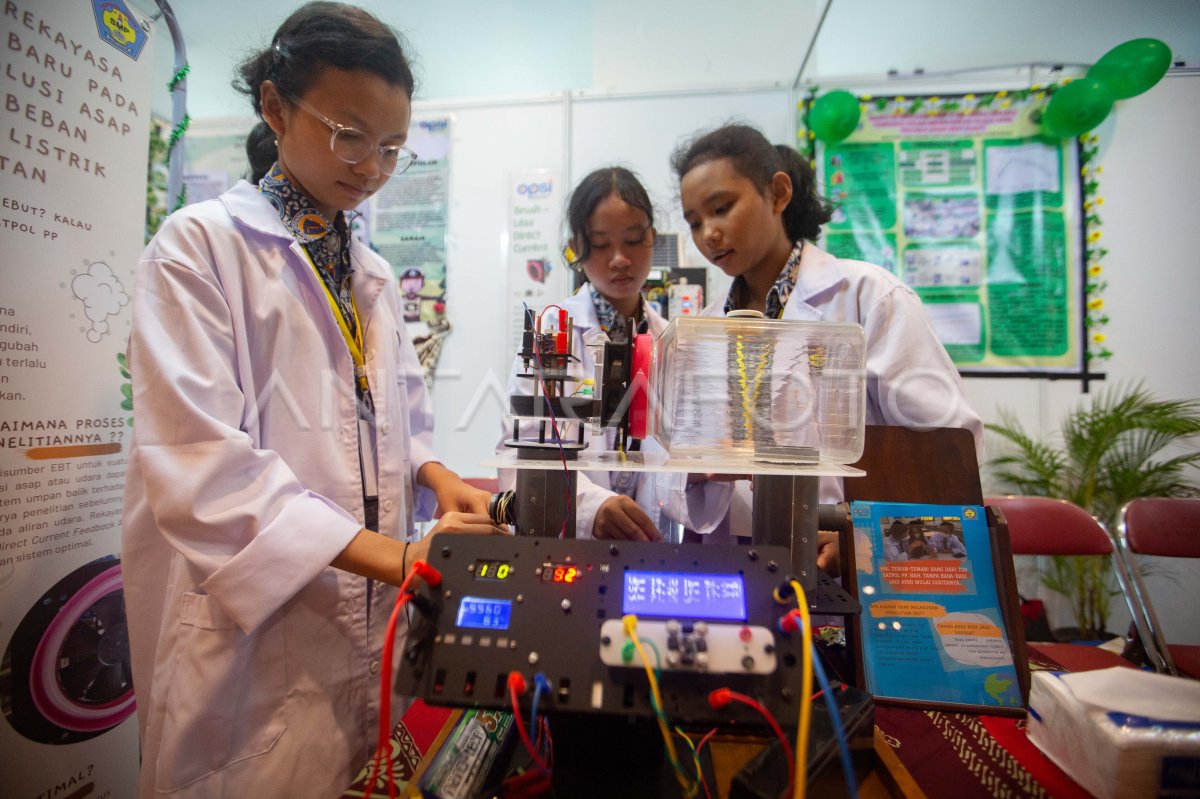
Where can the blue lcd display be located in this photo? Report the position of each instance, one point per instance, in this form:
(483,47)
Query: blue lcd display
(685,595)
(483,613)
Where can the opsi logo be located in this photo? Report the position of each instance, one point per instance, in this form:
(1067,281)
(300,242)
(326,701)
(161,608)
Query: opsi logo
(536,189)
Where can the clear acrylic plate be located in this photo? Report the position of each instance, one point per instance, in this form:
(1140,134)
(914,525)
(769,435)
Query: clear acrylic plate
(592,461)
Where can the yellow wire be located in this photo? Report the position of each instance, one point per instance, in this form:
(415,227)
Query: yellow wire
(747,405)
(630,623)
(749,393)
(806,678)
(695,754)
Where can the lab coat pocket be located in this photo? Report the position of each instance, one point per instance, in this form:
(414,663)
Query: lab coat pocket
(226,700)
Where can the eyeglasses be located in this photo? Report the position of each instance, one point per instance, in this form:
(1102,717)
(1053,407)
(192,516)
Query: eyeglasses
(352,145)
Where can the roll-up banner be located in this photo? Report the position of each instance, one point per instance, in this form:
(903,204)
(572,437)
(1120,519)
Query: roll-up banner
(533,238)
(76,78)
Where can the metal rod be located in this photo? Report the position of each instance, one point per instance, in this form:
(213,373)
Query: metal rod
(178,106)
(812,43)
(785,513)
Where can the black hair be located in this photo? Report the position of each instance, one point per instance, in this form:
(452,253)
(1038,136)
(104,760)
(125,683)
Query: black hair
(758,160)
(317,35)
(593,190)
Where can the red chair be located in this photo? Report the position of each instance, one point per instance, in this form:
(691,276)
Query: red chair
(1168,528)
(1045,526)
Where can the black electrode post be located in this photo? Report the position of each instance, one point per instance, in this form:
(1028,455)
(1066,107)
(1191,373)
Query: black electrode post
(543,502)
(542,496)
(785,513)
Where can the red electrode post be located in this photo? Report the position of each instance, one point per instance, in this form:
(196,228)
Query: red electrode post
(560,340)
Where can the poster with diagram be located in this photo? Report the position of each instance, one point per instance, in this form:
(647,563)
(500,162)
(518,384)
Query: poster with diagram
(966,203)
(408,220)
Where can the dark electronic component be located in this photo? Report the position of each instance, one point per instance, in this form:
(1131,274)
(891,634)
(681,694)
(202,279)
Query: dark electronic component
(708,611)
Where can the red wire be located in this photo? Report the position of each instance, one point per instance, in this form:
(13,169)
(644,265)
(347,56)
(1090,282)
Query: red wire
(699,747)
(705,739)
(787,748)
(516,712)
(549,747)
(539,316)
(383,749)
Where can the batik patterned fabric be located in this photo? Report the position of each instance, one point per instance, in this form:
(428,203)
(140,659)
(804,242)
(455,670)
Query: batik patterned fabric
(779,293)
(610,318)
(327,243)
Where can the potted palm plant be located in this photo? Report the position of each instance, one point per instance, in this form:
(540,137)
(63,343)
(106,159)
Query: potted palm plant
(1126,444)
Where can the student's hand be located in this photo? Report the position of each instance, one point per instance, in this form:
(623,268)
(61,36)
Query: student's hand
(462,498)
(621,518)
(454,522)
(829,556)
(452,493)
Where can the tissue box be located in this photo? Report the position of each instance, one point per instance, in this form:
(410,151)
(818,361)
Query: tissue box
(1120,732)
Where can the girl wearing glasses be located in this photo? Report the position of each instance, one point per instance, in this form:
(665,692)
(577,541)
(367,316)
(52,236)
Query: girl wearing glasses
(282,437)
(611,221)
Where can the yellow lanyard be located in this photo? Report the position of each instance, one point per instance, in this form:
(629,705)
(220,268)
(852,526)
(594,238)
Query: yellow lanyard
(353,342)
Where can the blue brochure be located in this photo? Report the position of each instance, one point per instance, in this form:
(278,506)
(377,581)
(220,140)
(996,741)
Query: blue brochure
(932,623)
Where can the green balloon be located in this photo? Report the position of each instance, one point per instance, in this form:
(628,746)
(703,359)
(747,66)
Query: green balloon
(1133,67)
(1077,108)
(834,116)
(1047,129)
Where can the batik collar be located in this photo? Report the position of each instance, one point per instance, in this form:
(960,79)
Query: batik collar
(610,318)
(327,243)
(780,291)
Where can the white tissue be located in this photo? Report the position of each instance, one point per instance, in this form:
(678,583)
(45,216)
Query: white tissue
(1120,732)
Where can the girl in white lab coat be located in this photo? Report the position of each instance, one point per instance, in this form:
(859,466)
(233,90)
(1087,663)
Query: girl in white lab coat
(611,223)
(282,438)
(754,211)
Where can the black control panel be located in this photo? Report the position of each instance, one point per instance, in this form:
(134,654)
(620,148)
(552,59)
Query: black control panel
(706,618)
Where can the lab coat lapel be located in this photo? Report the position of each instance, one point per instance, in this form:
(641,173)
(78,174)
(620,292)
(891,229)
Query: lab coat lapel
(583,315)
(367,283)
(818,274)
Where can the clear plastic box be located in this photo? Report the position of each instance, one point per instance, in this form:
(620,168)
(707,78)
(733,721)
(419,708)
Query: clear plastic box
(759,390)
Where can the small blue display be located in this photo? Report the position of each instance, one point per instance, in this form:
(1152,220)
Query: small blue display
(483,613)
(685,595)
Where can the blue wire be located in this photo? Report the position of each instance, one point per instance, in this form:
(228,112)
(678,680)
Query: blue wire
(835,718)
(539,682)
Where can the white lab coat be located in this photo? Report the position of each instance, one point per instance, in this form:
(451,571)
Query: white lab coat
(911,381)
(655,496)
(254,661)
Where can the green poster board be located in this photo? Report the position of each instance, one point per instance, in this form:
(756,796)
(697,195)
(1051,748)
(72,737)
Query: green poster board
(979,214)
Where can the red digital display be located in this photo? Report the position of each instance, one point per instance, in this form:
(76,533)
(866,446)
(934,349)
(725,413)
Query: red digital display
(561,573)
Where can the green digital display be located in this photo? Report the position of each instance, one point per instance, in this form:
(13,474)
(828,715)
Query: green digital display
(492,570)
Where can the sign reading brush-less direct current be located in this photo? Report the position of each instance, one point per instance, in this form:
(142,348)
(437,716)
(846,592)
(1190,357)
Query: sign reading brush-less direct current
(76,83)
